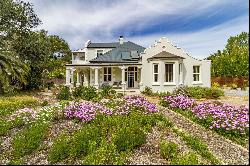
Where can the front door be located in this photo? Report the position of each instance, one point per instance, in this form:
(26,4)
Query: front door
(131,79)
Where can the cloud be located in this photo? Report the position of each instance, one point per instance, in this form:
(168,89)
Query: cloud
(202,43)
(196,25)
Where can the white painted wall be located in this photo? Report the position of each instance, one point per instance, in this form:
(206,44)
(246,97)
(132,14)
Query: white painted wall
(188,62)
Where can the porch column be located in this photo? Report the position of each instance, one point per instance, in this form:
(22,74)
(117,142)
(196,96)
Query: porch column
(123,77)
(86,81)
(72,77)
(77,79)
(96,85)
(67,77)
(139,69)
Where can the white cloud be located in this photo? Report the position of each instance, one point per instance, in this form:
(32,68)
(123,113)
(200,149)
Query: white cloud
(202,43)
(79,21)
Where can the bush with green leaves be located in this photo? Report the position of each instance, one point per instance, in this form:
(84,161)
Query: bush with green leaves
(198,92)
(129,137)
(86,135)
(187,159)
(107,91)
(64,93)
(60,149)
(29,139)
(106,154)
(84,92)
(147,91)
(168,150)
(204,92)
(6,126)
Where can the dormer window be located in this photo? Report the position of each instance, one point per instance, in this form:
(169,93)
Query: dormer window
(99,52)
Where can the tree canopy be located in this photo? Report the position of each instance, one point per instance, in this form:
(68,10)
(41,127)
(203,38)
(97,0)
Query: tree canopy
(21,47)
(233,61)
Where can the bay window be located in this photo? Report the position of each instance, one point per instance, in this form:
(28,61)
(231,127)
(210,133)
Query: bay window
(156,72)
(169,74)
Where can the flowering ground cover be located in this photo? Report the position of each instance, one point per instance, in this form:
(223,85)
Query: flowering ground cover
(106,131)
(227,120)
(111,129)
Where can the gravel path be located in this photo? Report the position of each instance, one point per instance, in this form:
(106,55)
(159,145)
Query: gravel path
(225,150)
(149,153)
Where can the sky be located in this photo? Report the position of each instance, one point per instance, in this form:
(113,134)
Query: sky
(200,27)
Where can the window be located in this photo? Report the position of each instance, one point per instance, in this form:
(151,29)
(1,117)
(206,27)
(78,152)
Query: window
(169,75)
(82,56)
(196,73)
(99,52)
(180,68)
(156,72)
(107,74)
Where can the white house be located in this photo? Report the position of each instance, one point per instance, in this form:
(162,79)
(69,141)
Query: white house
(126,65)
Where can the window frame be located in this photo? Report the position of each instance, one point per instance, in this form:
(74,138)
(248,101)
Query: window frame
(98,54)
(155,73)
(173,74)
(197,73)
(106,74)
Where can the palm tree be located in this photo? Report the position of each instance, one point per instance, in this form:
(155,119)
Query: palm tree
(11,67)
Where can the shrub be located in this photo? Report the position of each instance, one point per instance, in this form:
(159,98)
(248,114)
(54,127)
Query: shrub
(204,92)
(147,91)
(45,103)
(182,90)
(60,149)
(29,139)
(107,91)
(215,85)
(86,135)
(162,94)
(129,137)
(168,150)
(6,126)
(64,93)
(106,154)
(84,92)
(233,86)
(187,159)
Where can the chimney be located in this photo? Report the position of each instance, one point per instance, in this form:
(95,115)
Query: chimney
(121,39)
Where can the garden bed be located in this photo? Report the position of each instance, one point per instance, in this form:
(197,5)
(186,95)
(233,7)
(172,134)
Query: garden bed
(116,130)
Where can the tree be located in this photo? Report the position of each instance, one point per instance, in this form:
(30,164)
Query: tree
(16,20)
(234,59)
(11,67)
(38,50)
(35,49)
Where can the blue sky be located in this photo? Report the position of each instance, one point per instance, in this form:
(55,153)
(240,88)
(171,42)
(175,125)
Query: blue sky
(200,27)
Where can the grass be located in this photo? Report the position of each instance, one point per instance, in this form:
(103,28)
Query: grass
(197,145)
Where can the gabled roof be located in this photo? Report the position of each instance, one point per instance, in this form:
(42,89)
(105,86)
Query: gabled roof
(165,55)
(123,53)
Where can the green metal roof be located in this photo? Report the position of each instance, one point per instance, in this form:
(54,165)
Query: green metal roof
(123,53)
